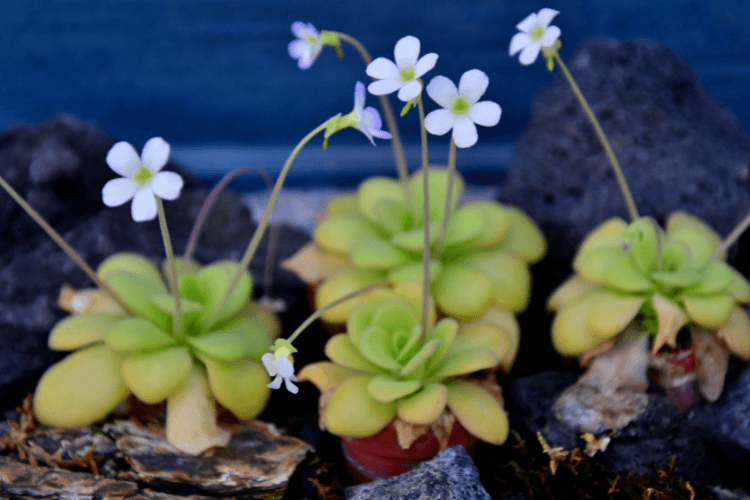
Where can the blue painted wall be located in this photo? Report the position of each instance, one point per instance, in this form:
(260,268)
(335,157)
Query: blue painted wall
(217,72)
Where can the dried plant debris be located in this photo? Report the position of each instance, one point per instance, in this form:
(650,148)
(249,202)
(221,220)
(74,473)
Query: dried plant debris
(545,472)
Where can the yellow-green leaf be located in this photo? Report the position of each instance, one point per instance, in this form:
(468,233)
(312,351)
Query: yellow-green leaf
(214,282)
(464,362)
(462,292)
(339,285)
(424,407)
(607,234)
(739,287)
(386,389)
(510,277)
(240,387)
(413,273)
(571,290)
(80,330)
(373,191)
(154,375)
(136,334)
(711,311)
(225,345)
(131,262)
(340,350)
(353,412)
(736,332)
(524,238)
(571,335)
(478,412)
(326,375)
(339,231)
(611,313)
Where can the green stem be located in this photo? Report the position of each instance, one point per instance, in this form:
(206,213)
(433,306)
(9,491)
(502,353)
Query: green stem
(426,215)
(64,246)
(390,118)
(320,312)
(733,236)
(255,240)
(172,268)
(448,197)
(632,210)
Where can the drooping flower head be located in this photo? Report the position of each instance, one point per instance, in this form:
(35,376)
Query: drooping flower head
(279,365)
(368,119)
(308,45)
(404,74)
(535,34)
(461,107)
(141,178)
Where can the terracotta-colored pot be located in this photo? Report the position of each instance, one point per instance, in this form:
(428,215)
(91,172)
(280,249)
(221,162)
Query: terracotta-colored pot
(380,456)
(677,376)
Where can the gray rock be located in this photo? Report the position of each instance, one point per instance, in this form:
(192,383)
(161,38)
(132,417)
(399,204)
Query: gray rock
(450,475)
(678,146)
(33,268)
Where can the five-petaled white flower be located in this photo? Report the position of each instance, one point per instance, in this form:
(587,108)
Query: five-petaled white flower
(281,368)
(368,119)
(403,75)
(308,46)
(535,34)
(462,110)
(141,178)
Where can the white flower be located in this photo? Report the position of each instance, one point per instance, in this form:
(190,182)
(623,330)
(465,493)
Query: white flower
(141,179)
(368,119)
(402,75)
(462,110)
(308,46)
(282,369)
(535,34)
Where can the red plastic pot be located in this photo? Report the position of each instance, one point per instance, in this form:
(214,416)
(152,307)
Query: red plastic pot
(678,376)
(380,456)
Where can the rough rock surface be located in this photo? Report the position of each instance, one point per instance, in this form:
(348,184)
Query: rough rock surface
(678,146)
(451,475)
(59,168)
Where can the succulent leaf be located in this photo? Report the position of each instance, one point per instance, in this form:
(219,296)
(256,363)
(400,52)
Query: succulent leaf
(256,335)
(571,335)
(464,362)
(476,292)
(131,262)
(594,264)
(716,276)
(445,331)
(374,344)
(671,319)
(611,313)
(342,351)
(224,345)
(465,226)
(696,234)
(739,288)
(413,240)
(524,238)
(438,192)
(405,343)
(339,231)
(393,316)
(81,330)
(155,375)
(736,332)
(375,253)
(419,359)
(326,375)
(353,412)
(345,202)
(571,290)
(626,276)
(373,191)
(386,389)
(676,256)
(478,411)
(214,282)
(240,386)
(135,334)
(643,240)
(606,235)
(510,276)
(359,319)
(81,389)
(392,216)
(677,279)
(497,222)
(165,302)
(136,291)
(507,323)
(413,273)
(481,335)
(339,285)
(711,311)
(425,406)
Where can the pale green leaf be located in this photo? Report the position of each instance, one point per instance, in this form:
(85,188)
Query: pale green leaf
(611,313)
(240,387)
(711,311)
(478,412)
(424,407)
(375,346)
(154,375)
(353,412)
(80,330)
(340,350)
(386,389)
(224,345)
(137,334)
(462,292)
(339,231)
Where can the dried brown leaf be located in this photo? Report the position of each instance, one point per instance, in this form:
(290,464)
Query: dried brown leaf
(408,433)
(311,265)
(712,361)
(593,353)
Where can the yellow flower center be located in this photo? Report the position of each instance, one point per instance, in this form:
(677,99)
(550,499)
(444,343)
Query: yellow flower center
(537,32)
(407,73)
(312,40)
(460,106)
(142,175)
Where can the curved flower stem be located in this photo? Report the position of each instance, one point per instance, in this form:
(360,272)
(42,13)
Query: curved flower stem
(320,312)
(69,250)
(390,119)
(624,189)
(272,239)
(426,215)
(733,236)
(172,269)
(255,240)
(448,197)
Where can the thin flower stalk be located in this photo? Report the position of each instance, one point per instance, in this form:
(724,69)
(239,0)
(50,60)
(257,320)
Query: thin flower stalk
(390,118)
(172,268)
(622,183)
(426,212)
(69,250)
(448,196)
(732,237)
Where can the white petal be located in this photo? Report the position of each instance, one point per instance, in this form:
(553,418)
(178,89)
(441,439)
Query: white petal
(359,98)
(425,64)
(546,16)
(297,28)
(410,91)
(382,69)
(530,53)
(285,367)
(371,118)
(464,132)
(123,159)
(275,383)
(485,113)
(302,30)
(363,128)
(144,205)
(315,50)
(473,84)
(297,48)
(167,185)
(155,154)
(269,362)
(118,191)
(519,41)
(291,387)
(551,35)
(442,91)
(528,23)
(305,61)
(439,122)
(383,87)
(407,51)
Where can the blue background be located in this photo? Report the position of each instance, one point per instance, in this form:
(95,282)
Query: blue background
(214,79)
